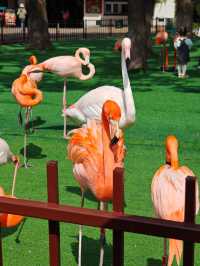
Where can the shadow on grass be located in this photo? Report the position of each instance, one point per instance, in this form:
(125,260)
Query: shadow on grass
(56,127)
(33,151)
(77,191)
(38,121)
(91,252)
(88,194)
(153,262)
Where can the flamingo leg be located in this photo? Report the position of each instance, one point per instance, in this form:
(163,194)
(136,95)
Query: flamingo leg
(80,232)
(64,107)
(27,117)
(20,230)
(103,207)
(14,178)
(164,258)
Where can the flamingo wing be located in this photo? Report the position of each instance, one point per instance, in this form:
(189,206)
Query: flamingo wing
(89,106)
(168,191)
(85,149)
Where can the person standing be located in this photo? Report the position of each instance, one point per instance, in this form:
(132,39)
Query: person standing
(182,45)
(21,13)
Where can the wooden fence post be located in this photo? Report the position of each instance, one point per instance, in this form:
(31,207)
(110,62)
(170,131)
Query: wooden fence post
(190,209)
(118,206)
(53,197)
(1,249)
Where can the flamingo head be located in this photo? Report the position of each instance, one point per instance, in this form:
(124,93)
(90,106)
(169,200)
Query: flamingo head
(112,113)
(34,71)
(86,55)
(172,151)
(126,48)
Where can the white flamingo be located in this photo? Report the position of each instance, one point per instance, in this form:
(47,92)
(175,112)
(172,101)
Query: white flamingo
(89,106)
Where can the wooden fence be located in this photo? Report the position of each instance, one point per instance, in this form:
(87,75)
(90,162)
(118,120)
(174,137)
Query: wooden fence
(119,222)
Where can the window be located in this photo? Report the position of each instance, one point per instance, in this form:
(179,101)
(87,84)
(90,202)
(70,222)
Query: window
(108,9)
(115,9)
(119,7)
(125,9)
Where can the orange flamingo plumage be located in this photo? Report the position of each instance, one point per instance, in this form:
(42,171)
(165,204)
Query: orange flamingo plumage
(95,150)
(27,95)
(168,194)
(161,37)
(8,220)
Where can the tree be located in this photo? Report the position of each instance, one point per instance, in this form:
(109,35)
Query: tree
(37,24)
(140,13)
(184,14)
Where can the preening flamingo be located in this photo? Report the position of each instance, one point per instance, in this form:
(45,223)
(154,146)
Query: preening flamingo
(95,150)
(168,194)
(89,106)
(27,95)
(65,66)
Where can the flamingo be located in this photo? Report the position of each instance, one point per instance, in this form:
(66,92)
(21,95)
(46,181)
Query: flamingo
(95,150)
(90,104)
(63,66)
(168,194)
(161,38)
(27,95)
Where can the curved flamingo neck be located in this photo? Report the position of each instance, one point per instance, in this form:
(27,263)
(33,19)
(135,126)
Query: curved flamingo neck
(172,158)
(108,159)
(129,101)
(77,56)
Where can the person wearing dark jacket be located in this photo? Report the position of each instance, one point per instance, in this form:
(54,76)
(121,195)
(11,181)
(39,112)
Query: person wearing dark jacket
(182,45)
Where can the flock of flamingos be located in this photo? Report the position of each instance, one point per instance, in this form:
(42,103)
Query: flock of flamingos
(97,147)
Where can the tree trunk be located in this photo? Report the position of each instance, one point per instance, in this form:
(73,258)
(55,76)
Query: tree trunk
(184,14)
(38,25)
(139,24)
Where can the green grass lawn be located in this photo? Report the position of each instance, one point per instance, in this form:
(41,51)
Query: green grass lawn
(164,104)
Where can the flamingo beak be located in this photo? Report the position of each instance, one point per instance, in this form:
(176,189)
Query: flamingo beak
(114,131)
(127,53)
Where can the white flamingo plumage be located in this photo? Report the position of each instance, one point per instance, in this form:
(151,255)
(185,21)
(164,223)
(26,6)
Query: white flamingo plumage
(89,106)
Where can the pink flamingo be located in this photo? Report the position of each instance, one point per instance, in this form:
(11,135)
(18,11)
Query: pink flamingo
(168,194)
(63,66)
(89,106)
(95,150)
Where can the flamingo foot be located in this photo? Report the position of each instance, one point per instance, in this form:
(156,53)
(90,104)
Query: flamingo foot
(26,165)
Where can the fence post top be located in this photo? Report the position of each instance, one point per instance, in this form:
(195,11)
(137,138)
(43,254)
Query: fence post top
(52,162)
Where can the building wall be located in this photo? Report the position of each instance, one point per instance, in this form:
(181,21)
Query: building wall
(165,9)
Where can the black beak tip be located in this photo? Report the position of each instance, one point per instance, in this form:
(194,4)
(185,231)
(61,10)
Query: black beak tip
(114,140)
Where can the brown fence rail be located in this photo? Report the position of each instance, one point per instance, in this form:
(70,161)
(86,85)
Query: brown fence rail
(116,220)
